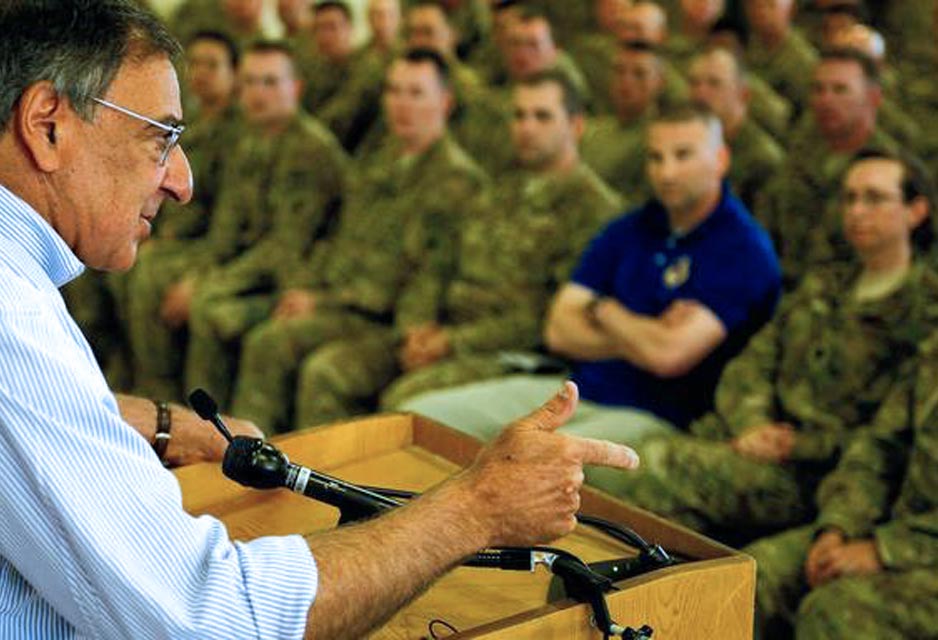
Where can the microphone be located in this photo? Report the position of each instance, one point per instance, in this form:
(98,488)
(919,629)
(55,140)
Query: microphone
(207,409)
(257,464)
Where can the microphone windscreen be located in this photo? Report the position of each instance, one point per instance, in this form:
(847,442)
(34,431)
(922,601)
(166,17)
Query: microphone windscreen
(203,404)
(254,463)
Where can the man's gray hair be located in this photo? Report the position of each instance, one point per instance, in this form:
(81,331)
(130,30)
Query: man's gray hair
(76,45)
(689,112)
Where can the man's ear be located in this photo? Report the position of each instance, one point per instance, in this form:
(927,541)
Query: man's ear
(42,121)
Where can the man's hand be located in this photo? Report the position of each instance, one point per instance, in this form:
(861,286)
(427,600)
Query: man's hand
(295,303)
(526,484)
(191,438)
(678,312)
(176,303)
(857,558)
(423,346)
(766,443)
(819,552)
(195,440)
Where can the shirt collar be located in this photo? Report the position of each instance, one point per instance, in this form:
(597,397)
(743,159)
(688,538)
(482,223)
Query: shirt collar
(660,218)
(22,227)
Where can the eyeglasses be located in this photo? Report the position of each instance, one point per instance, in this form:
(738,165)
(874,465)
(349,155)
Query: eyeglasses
(170,140)
(871,199)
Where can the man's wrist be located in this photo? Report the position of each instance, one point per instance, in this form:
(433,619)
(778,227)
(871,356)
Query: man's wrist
(164,425)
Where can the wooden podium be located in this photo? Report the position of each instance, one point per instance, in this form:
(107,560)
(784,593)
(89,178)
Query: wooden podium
(709,595)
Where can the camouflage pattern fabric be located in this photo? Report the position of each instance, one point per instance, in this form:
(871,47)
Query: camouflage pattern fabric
(825,364)
(516,246)
(395,235)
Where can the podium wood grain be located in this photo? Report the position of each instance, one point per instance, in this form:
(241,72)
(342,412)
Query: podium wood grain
(708,596)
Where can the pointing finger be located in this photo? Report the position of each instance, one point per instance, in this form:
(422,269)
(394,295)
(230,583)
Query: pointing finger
(605,453)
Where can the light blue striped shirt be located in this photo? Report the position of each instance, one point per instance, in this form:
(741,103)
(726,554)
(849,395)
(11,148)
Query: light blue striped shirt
(93,537)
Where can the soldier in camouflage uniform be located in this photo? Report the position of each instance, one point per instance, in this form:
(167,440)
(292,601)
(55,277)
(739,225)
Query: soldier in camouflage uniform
(646,21)
(614,145)
(769,108)
(515,248)
(240,20)
(785,408)
(326,71)
(718,81)
(697,19)
(595,50)
(798,206)
(280,187)
(531,50)
(384,23)
(471,20)
(866,567)
(777,51)
(396,232)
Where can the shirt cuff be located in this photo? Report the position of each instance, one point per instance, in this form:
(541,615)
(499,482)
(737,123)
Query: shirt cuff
(282,579)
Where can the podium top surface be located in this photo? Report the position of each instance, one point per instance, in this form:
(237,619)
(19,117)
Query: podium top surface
(404,451)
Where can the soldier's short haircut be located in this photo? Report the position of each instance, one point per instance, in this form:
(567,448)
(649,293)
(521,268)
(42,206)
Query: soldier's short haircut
(530,14)
(433,4)
(728,25)
(572,100)
(274,46)
(846,54)
(76,45)
(691,112)
(501,5)
(338,5)
(741,70)
(854,9)
(231,48)
(915,182)
(643,46)
(420,55)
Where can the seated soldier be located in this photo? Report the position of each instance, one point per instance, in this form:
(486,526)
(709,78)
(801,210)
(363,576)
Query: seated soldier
(646,21)
(398,227)
(892,117)
(384,24)
(767,107)
(799,205)
(785,408)
(282,185)
(613,145)
(777,51)
(865,568)
(697,19)
(660,301)
(515,247)
(719,82)
(530,50)
(594,50)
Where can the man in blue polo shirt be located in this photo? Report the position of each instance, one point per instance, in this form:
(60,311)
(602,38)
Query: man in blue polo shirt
(661,300)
